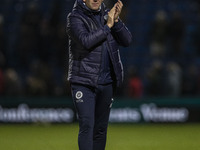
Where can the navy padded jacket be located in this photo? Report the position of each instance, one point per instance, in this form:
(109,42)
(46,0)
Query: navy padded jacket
(86,38)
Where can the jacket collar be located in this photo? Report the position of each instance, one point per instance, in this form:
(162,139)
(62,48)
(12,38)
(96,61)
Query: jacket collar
(79,4)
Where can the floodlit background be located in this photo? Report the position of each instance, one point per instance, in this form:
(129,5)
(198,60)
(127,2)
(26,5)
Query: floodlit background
(151,111)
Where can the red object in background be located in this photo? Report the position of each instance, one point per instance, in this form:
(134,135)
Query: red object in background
(135,87)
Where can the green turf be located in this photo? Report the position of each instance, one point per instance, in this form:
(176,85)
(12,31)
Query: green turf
(120,137)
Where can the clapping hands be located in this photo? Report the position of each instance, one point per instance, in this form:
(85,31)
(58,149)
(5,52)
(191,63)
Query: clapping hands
(114,13)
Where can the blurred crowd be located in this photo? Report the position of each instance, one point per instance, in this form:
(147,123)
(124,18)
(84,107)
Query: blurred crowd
(34,57)
(36,63)
(174,70)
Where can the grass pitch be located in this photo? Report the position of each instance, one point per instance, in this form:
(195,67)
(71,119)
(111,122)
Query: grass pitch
(120,137)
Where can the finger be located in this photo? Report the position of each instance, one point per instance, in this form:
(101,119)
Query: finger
(114,7)
(111,13)
(120,3)
(118,9)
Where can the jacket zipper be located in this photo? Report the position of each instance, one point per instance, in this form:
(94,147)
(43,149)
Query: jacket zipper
(97,25)
(109,51)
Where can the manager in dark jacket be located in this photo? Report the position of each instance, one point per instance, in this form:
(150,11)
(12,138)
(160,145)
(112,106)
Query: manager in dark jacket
(95,66)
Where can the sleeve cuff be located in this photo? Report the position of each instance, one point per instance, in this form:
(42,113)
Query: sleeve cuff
(117,26)
(107,29)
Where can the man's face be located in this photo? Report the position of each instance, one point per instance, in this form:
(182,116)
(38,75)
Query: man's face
(93,4)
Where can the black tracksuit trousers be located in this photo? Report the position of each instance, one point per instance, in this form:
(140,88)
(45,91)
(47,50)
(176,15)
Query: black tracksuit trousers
(93,108)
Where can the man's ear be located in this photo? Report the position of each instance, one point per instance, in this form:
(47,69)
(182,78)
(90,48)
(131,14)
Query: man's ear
(84,1)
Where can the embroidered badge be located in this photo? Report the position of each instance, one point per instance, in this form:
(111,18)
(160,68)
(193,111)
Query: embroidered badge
(79,95)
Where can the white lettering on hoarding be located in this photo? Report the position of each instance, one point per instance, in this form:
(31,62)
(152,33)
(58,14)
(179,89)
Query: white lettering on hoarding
(124,115)
(25,114)
(151,112)
(146,112)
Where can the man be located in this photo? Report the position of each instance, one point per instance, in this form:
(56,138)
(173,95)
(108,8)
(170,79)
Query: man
(94,66)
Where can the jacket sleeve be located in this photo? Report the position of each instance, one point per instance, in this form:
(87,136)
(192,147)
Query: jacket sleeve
(77,30)
(122,34)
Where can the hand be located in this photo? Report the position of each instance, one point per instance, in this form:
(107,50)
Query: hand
(118,10)
(111,16)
